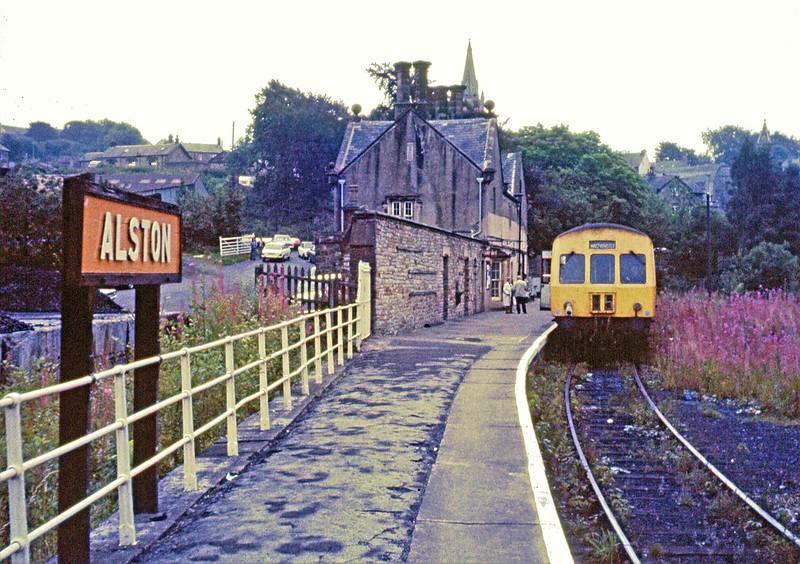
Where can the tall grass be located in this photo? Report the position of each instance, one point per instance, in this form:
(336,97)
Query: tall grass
(215,312)
(744,346)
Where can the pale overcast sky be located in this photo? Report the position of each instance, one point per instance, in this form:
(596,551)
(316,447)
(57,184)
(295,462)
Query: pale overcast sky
(637,72)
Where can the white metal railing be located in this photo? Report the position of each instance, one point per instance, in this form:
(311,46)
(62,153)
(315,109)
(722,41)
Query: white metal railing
(231,246)
(351,326)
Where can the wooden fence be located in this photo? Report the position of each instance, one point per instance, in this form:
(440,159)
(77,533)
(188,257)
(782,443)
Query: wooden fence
(311,290)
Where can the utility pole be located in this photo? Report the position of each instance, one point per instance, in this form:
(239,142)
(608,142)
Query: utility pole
(233,129)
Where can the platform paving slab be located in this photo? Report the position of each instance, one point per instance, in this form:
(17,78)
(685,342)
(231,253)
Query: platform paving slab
(478,505)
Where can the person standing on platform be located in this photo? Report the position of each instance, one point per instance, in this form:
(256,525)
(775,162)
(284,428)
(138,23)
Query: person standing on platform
(520,291)
(253,249)
(507,291)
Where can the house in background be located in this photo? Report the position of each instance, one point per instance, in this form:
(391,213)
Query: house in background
(673,190)
(638,162)
(438,163)
(710,178)
(146,156)
(167,185)
(203,152)
(5,159)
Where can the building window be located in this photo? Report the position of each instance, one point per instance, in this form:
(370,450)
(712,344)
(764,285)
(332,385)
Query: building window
(494,279)
(408,209)
(394,208)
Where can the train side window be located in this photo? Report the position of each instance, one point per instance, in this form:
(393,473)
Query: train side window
(632,269)
(571,270)
(601,269)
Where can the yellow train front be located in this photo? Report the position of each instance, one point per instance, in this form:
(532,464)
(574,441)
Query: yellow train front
(603,276)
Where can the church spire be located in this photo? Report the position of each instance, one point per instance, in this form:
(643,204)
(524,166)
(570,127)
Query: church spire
(470,80)
(763,137)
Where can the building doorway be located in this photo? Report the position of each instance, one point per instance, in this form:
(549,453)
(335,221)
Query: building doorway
(446,285)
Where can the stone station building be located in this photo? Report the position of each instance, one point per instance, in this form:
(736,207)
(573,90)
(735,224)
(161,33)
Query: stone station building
(438,180)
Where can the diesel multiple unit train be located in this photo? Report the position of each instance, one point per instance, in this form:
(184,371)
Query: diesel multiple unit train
(602,274)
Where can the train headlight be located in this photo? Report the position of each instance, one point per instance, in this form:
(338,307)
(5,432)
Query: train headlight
(568,309)
(637,307)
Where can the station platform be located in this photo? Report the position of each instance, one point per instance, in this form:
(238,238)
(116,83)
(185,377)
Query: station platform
(414,452)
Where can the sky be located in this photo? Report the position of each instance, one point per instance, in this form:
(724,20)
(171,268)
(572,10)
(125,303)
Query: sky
(636,72)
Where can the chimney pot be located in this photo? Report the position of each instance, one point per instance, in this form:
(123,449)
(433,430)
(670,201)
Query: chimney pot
(457,100)
(420,87)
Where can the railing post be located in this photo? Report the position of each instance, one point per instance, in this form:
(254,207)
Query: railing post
(127,528)
(339,336)
(317,350)
(17,511)
(263,381)
(230,396)
(350,318)
(287,383)
(364,301)
(187,413)
(329,339)
(304,357)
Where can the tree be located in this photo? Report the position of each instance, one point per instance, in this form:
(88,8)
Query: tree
(42,131)
(753,204)
(765,266)
(573,178)
(724,143)
(293,137)
(385,79)
(669,151)
(100,135)
(32,238)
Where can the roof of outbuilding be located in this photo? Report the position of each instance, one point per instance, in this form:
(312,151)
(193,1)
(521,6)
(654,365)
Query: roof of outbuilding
(202,148)
(140,150)
(473,137)
(149,182)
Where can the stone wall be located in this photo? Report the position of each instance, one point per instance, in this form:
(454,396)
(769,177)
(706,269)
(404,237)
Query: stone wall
(409,286)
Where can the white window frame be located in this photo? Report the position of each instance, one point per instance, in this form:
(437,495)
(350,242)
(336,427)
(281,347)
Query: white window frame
(394,208)
(408,209)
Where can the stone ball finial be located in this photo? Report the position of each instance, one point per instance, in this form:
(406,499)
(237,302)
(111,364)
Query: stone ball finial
(489,105)
(356,109)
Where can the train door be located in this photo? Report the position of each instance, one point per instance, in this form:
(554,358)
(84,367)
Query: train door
(544,299)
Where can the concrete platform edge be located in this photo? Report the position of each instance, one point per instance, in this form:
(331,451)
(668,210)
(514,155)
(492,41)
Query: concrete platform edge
(554,539)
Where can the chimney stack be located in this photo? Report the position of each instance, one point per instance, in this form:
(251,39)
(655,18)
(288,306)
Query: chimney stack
(420,87)
(403,98)
(457,100)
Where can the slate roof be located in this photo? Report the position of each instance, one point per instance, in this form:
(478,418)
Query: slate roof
(512,170)
(202,148)
(474,137)
(659,182)
(634,159)
(139,183)
(140,150)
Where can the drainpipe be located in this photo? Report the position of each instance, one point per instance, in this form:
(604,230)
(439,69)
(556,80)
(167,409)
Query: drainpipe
(480,208)
(341,204)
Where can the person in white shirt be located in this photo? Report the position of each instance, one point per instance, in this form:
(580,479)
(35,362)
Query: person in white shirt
(520,291)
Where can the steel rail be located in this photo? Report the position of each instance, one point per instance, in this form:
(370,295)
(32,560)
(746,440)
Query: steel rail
(626,544)
(724,479)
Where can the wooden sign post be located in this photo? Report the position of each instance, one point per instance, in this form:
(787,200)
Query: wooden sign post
(111,239)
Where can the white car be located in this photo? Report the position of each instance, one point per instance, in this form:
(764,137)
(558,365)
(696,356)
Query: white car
(305,248)
(276,250)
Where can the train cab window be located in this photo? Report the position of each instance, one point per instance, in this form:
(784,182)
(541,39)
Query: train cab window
(572,269)
(601,269)
(632,269)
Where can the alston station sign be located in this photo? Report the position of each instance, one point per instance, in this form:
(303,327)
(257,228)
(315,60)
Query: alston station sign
(121,239)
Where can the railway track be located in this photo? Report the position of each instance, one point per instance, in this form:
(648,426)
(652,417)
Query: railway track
(663,499)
